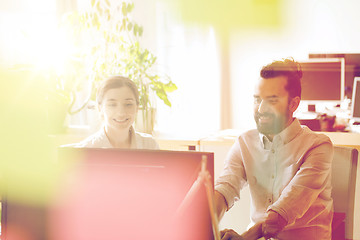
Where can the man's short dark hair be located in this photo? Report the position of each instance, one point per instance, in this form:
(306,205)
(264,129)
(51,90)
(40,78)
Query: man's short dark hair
(288,68)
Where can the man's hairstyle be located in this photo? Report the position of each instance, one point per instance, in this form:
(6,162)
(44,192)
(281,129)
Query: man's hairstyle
(116,82)
(288,68)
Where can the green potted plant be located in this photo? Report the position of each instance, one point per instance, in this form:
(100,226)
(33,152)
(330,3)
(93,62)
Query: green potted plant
(107,42)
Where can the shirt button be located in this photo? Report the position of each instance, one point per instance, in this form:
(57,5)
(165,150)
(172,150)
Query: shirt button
(272,176)
(272,150)
(269,200)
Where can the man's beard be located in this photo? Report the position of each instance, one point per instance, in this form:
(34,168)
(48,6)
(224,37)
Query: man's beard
(275,125)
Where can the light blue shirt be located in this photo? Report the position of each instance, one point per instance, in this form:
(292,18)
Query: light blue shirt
(290,175)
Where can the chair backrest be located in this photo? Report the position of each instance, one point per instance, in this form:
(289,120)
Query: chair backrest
(343,190)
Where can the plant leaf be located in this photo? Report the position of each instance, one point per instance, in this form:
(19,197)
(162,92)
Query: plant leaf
(135,29)
(129,26)
(130,7)
(124,9)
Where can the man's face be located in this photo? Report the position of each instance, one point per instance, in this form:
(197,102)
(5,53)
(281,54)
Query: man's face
(271,105)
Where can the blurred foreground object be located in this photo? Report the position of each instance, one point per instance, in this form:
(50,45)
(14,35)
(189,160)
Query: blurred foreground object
(232,13)
(27,172)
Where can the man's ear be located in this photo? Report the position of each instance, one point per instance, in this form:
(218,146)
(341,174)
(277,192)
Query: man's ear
(294,104)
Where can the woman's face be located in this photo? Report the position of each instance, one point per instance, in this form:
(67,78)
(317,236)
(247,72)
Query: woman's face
(119,108)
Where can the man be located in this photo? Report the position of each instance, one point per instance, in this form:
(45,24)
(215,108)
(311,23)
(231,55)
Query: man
(286,166)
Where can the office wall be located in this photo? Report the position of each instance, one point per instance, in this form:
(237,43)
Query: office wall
(307,26)
(191,54)
(187,53)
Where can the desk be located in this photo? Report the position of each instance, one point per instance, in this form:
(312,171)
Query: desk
(191,144)
(345,139)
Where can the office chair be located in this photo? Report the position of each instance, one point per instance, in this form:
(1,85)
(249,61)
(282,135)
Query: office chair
(343,179)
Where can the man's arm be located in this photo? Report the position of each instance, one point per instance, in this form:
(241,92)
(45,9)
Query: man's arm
(272,224)
(253,233)
(220,204)
(309,181)
(231,180)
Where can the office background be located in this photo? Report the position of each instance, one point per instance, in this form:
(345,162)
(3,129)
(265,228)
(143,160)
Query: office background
(214,70)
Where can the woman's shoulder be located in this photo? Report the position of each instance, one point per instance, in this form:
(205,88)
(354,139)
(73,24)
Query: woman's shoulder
(96,140)
(145,141)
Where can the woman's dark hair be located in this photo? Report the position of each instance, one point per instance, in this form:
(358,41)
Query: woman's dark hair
(288,68)
(116,82)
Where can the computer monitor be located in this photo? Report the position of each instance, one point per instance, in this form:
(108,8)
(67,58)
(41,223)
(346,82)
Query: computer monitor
(355,104)
(120,194)
(352,67)
(323,80)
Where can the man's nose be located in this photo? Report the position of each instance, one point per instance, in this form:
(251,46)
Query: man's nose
(263,107)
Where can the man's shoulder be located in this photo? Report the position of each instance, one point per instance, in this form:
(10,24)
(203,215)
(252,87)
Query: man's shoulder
(252,133)
(315,137)
(249,136)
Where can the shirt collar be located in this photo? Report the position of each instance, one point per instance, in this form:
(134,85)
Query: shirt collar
(285,136)
(133,142)
(104,139)
(266,143)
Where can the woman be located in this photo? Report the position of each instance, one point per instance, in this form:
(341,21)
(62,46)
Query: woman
(118,103)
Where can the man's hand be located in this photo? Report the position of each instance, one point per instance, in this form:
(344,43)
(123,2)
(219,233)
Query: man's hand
(255,232)
(273,224)
(229,234)
(252,234)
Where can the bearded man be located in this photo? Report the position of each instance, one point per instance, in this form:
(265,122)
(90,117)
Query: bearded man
(286,166)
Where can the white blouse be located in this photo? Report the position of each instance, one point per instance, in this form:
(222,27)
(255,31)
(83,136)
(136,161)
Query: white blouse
(100,140)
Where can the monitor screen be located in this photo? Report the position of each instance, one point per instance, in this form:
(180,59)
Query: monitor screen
(352,67)
(323,80)
(124,194)
(355,104)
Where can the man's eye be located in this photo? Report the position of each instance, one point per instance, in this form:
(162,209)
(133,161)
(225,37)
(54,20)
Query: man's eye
(111,104)
(257,100)
(129,104)
(273,101)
